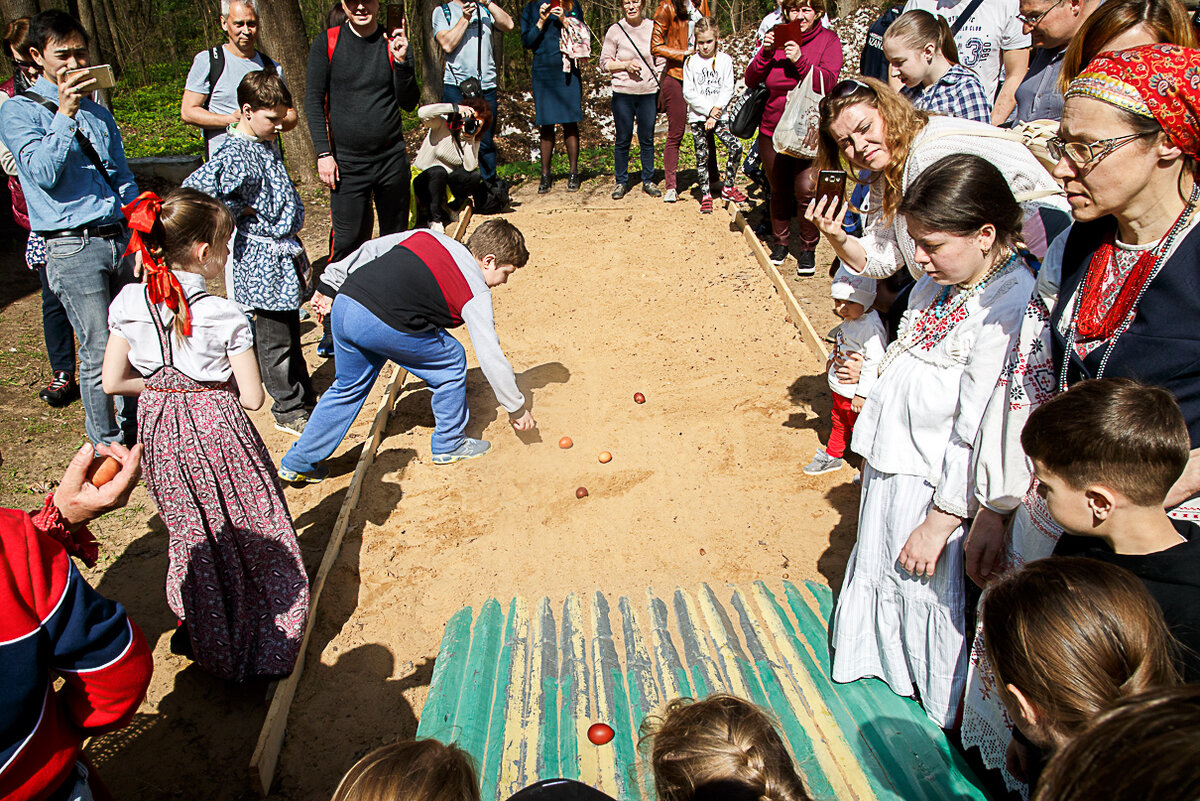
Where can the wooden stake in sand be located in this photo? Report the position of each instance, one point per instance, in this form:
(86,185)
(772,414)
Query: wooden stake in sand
(270,739)
(797,315)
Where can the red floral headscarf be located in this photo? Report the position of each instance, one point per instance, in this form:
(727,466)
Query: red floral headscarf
(161,284)
(1159,81)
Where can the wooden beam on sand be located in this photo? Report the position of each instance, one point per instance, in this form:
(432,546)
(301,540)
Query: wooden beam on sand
(464,219)
(270,739)
(809,334)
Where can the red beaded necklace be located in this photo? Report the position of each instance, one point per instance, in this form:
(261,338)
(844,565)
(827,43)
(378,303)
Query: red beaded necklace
(1091,320)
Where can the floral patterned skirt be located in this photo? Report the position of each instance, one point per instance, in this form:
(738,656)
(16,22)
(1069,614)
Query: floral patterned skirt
(234,571)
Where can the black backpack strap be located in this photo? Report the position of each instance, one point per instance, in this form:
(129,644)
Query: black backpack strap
(964,17)
(84,143)
(216,66)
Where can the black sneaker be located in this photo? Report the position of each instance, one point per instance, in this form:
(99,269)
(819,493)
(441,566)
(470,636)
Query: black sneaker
(651,190)
(620,191)
(806,264)
(544,184)
(573,182)
(61,390)
(779,254)
(325,346)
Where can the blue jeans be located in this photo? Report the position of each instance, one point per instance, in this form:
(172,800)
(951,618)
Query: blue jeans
(626,109)
(87,273)
(487,144)
(75,787)
(362,343)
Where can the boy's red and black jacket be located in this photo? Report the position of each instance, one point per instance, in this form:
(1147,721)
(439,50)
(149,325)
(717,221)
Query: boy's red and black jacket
(54,625)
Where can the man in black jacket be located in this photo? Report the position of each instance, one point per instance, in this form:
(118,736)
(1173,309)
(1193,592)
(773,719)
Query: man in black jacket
(359,77)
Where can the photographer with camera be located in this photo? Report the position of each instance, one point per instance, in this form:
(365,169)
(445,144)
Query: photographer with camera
(449,157)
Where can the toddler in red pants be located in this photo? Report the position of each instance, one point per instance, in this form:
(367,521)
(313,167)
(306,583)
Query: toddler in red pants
(862,332)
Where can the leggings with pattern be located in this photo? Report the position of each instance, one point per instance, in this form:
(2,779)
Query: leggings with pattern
(706,154)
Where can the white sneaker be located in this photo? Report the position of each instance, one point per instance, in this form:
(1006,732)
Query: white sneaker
(437,226)
(670,196)
(823,463)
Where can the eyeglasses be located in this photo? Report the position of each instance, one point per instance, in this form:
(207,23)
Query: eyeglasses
(1085,153)
(1036,19)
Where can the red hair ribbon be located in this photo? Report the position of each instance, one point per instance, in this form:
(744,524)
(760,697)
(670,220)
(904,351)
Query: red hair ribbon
(161,285)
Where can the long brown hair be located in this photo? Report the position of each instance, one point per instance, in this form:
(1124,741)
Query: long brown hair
(721,744)
(16,36)
(188,218)
(1075,636)
(918,28)
(901,124)
(413,770)
(959,194)
(1167,20)
(1147,746)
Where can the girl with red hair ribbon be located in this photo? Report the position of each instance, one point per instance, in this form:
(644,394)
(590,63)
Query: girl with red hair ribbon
(235,578)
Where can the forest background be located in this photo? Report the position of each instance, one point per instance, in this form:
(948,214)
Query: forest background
(151,43)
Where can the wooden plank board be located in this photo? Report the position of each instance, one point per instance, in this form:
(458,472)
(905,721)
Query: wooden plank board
(270,738)
(809,334)
(437,718)
(489,768)
(612,707)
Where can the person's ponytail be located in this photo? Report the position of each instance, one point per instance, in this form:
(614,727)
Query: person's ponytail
(945,41)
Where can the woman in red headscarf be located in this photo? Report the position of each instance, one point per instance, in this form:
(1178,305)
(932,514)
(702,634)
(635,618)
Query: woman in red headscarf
(235,578)
(1117,296)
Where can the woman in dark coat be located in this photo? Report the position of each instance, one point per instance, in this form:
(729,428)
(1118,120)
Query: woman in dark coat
(557,91)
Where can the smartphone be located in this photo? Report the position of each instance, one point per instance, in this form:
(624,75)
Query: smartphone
(832,184)
(103,73)
(555,4)
(395,17)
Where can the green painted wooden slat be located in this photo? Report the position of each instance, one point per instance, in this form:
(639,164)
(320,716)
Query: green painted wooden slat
(437,718)
(546,649)
(721,631)
(802,747)
(667,665)
(610,677)
(706,676)
(479,681)
(573,687)
(489,762)
(935,768)
(645,696)
(879,765)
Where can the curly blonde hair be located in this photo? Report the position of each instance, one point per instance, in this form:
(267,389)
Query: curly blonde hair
(901,124)
(721,744)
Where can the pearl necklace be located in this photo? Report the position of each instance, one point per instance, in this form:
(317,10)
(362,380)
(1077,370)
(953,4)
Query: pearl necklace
(943,306)
(1163,248)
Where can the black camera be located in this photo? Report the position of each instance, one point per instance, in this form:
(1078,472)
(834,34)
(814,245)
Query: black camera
(471,126)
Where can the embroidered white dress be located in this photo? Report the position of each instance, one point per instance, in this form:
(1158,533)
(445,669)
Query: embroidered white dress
(916,433)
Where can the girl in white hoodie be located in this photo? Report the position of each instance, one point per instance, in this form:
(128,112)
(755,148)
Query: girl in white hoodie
(707,90)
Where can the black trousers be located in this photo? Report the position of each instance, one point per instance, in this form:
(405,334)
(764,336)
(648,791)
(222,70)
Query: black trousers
(284,371)
(430,188)
(382,182)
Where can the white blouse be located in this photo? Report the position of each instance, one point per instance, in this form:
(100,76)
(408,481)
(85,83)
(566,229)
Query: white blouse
(923,413)
(889,246)
(219,330)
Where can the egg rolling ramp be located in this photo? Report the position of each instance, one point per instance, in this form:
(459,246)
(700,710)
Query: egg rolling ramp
(518,685)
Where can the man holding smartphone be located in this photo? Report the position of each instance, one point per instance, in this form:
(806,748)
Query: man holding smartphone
(210,95)
(71,163)
(464,30)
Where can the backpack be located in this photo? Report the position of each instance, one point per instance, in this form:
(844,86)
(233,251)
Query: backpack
(872,63)
(492,196)
(216,66)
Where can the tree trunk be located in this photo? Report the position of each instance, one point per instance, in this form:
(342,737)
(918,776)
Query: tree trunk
(429,52)
(109,16)
(284,39)
(13,9)
(103,32)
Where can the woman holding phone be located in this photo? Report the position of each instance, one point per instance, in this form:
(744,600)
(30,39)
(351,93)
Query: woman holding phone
(781,66)
(672,41)
(625,55)
(557,87)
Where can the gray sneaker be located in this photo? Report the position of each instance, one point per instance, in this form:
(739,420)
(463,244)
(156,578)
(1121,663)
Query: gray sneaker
(293,427)
(650,189)
(822,463)
(470,449)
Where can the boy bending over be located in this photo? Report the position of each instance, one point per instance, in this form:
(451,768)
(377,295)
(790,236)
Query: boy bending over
(393,299)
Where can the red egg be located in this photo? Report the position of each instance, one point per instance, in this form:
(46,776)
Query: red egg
(565,443)
(600,733)
(581,492)
(102,470)
(639,397)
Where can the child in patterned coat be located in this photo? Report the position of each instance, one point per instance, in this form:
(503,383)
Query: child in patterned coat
(270,268)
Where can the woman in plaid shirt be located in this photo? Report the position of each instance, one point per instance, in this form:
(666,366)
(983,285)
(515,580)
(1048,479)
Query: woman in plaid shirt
(921,51)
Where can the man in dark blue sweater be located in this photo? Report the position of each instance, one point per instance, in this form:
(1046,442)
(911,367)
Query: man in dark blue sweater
(359,77)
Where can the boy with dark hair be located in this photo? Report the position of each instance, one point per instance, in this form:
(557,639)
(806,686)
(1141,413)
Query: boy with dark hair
(393,299)
(1105,454)
(270,269)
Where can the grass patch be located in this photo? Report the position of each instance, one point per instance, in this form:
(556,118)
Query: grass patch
(149,115)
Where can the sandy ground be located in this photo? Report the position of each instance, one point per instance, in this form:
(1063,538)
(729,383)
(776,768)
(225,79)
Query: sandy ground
(704,485)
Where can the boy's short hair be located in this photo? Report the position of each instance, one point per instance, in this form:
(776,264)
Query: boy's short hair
(1111,431)
(501,239)
(53,26)
(262,89)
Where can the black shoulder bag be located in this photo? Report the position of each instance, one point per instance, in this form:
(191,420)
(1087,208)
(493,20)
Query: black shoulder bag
(84,144)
